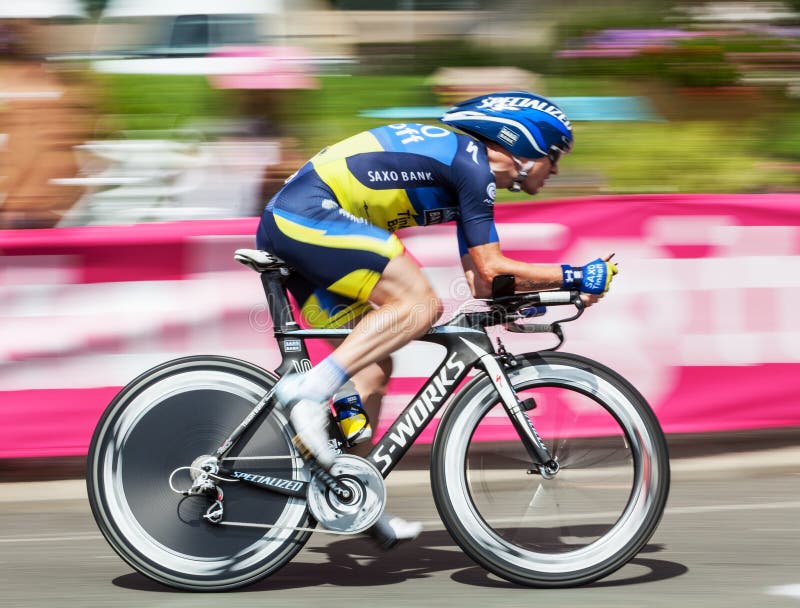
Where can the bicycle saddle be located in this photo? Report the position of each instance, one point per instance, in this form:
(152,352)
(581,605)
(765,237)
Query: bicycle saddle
(259,260)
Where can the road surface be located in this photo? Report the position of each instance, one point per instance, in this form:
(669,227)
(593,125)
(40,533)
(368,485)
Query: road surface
(730,537)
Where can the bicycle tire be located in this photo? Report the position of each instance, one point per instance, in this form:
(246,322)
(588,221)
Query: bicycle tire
(163,420)
(515,524)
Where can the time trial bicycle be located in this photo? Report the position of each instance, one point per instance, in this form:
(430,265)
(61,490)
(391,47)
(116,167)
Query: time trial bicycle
(547,468)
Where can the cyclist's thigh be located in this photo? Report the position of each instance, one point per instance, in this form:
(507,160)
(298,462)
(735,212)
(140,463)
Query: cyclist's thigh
(324,309)
(327,246)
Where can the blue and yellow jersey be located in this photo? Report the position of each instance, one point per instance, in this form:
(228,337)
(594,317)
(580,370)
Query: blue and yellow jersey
(404,175)
(333,221)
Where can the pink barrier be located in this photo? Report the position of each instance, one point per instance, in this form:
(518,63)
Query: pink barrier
(701,318)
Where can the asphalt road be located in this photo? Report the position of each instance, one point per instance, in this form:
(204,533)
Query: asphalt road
(730,537)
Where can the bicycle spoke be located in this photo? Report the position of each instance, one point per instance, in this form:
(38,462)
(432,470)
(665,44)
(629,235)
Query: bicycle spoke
(541,529)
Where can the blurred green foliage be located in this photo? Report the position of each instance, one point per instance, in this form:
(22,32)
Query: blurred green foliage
(589,16)
(425,57)
(781,136)
(688,156)
(704,61)
(319,117)
(719,136)
(685,64)
(696,156)
(94,7)
(150,103)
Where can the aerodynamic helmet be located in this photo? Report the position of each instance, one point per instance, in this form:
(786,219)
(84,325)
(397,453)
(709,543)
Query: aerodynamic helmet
(525,124)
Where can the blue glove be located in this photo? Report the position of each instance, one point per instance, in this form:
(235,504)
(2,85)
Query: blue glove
(594,277)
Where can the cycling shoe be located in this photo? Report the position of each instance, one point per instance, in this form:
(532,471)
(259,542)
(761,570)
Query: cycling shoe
(310,421)
(390,530)
(309,418)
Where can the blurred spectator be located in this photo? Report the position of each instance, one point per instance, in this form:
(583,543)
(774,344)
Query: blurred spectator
(8,41)
(43,117)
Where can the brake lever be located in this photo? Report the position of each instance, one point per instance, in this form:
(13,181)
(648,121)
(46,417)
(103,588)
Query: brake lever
(579,305)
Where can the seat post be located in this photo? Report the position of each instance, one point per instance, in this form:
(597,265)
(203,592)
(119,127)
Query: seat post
(294,355)
(277,301)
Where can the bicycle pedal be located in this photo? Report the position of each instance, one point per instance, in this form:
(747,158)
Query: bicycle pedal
(305,453)
(336,446)
(309,457)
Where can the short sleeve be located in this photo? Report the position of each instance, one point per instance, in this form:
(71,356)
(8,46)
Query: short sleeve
(475,187)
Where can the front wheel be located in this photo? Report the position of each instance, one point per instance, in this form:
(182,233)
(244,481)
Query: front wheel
(157,427)
(588,520)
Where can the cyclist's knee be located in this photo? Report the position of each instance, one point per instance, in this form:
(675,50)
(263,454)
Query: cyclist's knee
(424,305)
(435,308)
(386,366)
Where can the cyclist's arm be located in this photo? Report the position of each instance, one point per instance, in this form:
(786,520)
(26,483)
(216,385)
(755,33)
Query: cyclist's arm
(478,241)
(484,262)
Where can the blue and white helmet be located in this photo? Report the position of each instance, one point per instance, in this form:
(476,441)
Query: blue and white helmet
(525,124)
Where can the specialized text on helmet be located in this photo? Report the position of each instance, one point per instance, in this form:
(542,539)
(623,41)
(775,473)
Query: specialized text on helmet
(502,104)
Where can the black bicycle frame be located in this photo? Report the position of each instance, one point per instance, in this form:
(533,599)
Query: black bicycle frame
(467,347)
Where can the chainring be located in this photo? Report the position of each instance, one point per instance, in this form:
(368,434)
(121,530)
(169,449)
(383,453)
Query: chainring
(367,490)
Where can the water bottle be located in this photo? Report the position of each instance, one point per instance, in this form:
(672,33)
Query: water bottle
(351,416)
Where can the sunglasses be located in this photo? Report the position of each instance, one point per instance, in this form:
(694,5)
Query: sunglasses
(554,154)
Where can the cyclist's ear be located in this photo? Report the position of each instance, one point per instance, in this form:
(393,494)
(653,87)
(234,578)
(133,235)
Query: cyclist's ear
(503,285)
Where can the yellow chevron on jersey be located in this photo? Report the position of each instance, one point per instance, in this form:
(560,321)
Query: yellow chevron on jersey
(363,142)
(333,220)
(387,247)
(400,175)
(387,208)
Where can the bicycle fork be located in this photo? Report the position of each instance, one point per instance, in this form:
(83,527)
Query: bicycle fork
(543,461)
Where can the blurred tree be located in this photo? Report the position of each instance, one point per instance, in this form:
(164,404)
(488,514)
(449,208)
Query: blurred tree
(795,5)
(94,7)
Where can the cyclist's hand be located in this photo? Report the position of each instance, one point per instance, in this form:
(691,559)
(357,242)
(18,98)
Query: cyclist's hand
(596,276)
(589,298)
(593,278)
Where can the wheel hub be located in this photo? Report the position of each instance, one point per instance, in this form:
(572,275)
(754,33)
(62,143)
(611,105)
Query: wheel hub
(356,512)
(203,465)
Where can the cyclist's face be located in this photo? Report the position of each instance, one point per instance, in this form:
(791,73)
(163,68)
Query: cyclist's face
(542,169)
(505,168)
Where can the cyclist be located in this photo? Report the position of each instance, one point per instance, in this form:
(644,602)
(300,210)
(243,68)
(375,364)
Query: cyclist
(334,222)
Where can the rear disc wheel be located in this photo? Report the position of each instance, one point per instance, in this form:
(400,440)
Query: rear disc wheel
(161,423)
